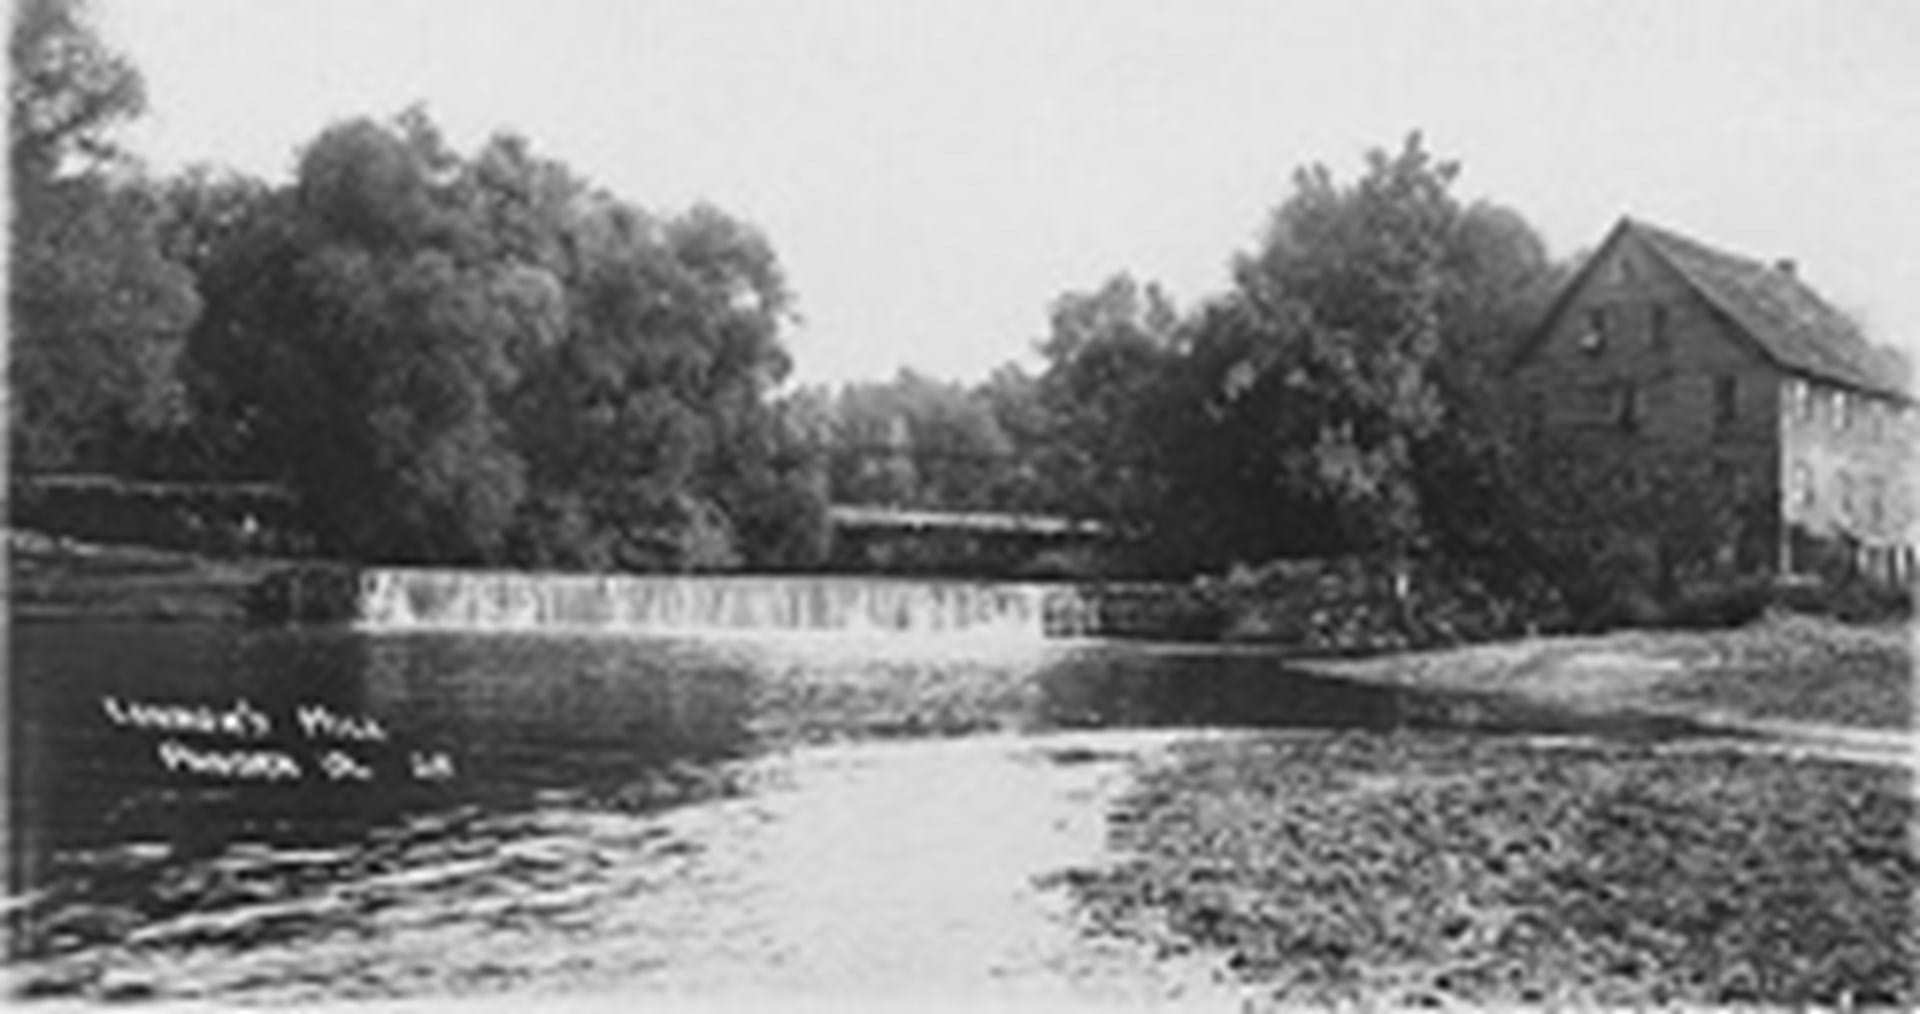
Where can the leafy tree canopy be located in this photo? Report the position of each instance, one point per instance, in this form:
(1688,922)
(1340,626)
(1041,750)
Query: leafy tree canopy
(97,308)
(499,361)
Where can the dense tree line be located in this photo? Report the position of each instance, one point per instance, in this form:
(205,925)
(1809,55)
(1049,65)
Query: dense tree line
(449,357)
(1339,397)
(481,357)
(98,312)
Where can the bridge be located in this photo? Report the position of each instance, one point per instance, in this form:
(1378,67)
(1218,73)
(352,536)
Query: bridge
(979,543)
(866,539)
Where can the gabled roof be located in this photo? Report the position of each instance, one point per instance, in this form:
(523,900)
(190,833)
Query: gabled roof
(1785,319)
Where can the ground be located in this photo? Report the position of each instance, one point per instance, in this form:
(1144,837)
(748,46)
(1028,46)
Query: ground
(1428,869)
(1775,866)
(1785,668)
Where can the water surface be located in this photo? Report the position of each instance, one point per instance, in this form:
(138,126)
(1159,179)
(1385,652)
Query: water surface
(544,814)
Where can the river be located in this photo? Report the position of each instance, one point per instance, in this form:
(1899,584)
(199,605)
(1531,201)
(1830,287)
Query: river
(267,815)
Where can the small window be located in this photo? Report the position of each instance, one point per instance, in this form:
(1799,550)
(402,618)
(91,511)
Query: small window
(1803,490)
(1842,410)
(1595,338)
(1800,396)
(1624,270)
(1626,407)
(1726,400)
(1657,327)
(1845,482)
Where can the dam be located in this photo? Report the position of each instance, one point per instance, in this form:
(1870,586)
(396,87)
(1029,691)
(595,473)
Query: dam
(406,599)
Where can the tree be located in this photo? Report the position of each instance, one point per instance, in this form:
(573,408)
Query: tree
(98,310)
(500,362)
(68,92)
(914,441)
(1108,352)
(1337,398)
(653,409)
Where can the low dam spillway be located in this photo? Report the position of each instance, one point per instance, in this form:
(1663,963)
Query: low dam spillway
(411,599)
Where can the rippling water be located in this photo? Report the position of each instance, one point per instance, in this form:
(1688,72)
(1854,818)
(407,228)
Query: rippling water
(592,816)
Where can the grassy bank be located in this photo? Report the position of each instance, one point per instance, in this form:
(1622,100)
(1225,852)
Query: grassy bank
(1784,667)
(1423,870)
(49,578)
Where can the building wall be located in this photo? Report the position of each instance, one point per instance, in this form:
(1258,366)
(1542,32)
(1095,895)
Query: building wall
(1693,481)
(1847,472)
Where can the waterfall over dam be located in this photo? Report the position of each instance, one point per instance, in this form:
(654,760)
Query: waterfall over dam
(409,599)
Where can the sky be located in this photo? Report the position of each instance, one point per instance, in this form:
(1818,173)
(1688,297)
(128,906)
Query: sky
(934,174)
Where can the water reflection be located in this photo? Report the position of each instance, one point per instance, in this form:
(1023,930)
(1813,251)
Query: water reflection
(549,842)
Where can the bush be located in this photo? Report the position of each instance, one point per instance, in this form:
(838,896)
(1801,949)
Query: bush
(1850,598)
(1722,606)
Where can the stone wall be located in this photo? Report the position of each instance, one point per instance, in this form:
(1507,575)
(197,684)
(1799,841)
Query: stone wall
(1344,605)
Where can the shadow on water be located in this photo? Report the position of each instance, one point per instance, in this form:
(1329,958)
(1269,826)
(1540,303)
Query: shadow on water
(431,720)
(130,767)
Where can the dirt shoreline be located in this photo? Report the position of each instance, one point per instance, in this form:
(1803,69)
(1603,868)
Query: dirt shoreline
(1424,869)
(1776,866)
(1818,684)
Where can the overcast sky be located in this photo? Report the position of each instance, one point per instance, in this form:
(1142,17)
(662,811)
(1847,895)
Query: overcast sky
(934,174)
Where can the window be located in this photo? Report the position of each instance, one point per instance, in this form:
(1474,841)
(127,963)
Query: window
(1657,328)
(1726,400)
(1626,406)
(1596,337)
(1845,482)
(1800,398)
(1842,410)
(1624,271)
(1802,490)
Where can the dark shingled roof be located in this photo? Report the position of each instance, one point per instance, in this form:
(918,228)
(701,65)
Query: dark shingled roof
(1789,321)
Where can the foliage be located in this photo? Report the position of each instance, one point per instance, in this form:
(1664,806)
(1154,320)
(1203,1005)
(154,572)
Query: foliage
(1336,398)
(68,92)
(913,442)
(98,310)
(1107,354)
(496,360)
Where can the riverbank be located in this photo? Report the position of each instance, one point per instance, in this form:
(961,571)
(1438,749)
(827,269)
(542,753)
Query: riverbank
(1776,866)
(1778,673)
(1426,869)
(53,578)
